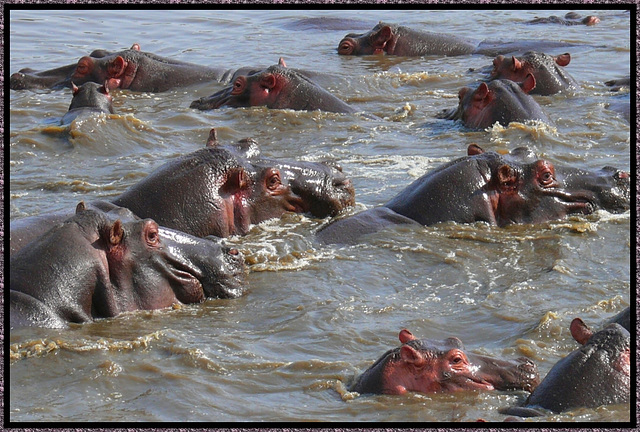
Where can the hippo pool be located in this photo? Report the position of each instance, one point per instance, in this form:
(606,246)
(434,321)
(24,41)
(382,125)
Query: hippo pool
(315,315)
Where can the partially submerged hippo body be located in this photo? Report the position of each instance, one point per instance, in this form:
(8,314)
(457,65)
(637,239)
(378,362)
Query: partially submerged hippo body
(598,373)
(432,366)
(393,39)
(571,18)
(276,87)
(492,188)
(88,98)
(220,190)
(92,266)
(28,79)
(500,101)
(548,71)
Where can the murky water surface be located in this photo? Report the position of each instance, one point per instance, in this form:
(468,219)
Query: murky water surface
(316,316)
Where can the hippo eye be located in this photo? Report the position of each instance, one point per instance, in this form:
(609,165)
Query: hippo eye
(273,181)
(546,175)
(152,235)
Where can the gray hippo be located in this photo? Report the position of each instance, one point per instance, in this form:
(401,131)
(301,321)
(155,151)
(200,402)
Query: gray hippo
(548,71)
(571,18)
(500,101)
(488,187)
(92,266)
(219,190)
(88,98)
(393,39)
(433,366)
(598,373)
(276,87)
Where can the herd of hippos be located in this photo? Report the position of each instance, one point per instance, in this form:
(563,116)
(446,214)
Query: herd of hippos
(151,247)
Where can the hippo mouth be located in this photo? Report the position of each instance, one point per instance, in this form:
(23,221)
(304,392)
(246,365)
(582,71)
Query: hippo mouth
(573,202)
(216,100)
(321,204)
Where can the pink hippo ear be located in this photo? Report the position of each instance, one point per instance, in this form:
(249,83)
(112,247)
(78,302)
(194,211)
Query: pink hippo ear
(237,180)
(74,88)
(528,84)
(482,96)
(380,39)
(405,336)
(281,62)
(411,355)
(268,81)
(135,47)
(580,332)
(563,59)
(517,64)
(116,233)
(116,67)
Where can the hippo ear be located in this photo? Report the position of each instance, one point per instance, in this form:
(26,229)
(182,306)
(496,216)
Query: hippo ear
(80,207)
(74,88)
(580,332)
(563,59)
(405,336)
(212,140)
(116,233)
(474,149)
(268,81)
(507,178)
(281,62)
(237,180)
(498,61)
(411,355)
(379,39)
(517,64)
(528,84)
(135,47)
(482,92)
(116,67)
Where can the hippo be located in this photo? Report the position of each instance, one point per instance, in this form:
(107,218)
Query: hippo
(619,84)
(88,98)
(623,318)
(91,266)
(142,71)
(488,187)
(502,101)
(571,18)
(275,87)
(598,373)
(393,39)
(219,190)
(548,71)
(57,78)
(434,366)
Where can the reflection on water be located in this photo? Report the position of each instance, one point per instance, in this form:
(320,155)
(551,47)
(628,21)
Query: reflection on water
(317,316)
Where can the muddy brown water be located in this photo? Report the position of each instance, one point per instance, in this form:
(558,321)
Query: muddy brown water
(316,316)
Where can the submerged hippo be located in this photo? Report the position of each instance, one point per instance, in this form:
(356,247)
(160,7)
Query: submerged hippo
(548,71)
(276,87)
(56,78)
(393,39)
(502,101)
(91,266)
(432,366)
(220,190)
(88,98)
(493,188)
(571,18)
(598,373)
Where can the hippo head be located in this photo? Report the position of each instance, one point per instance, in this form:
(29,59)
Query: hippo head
(530,63)
(429,366)
(380,39)
(115,70)
(91,95)
(501,101)
(97,267)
